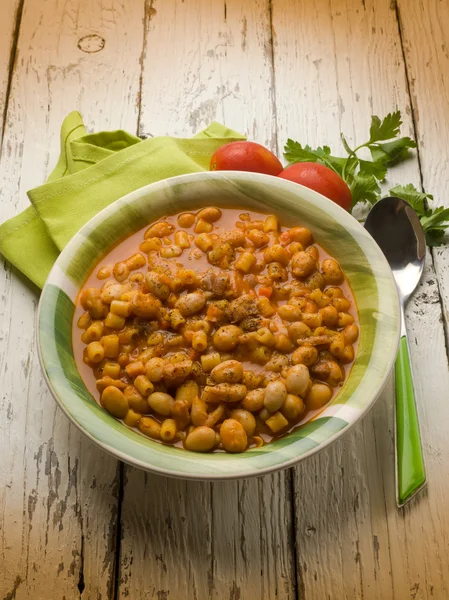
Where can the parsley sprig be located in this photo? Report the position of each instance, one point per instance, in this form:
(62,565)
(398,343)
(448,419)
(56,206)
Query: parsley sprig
(363,176)
(434,222)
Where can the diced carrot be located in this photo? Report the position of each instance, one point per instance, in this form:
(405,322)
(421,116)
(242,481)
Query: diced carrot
(188,335)
(265,291)
(214,313)
(285,238)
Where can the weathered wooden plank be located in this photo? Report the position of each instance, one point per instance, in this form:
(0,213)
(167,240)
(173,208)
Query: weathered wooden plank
(58,492)
(215,63)
(425,34)
(342,62)
(427,68)
(11,15)
(205,61)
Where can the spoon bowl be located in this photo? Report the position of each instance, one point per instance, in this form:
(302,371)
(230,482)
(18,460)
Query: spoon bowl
(396,228)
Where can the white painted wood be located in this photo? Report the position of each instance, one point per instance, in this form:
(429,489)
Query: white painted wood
(206,61)
(10,16)
(425,31)
(58,492)
(341,62)
(200,540)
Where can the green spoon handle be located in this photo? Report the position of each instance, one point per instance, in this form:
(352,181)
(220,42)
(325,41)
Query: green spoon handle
(410,471)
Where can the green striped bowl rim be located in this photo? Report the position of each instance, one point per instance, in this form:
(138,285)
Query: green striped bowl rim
(336,230)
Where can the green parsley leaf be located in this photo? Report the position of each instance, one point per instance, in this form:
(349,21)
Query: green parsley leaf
(346,145)
(393,152)
(350,168)
(386,129)
(434,221)
(294,152)
(414,197)
(376,168)
(377,154)
(433,237)
(364,189)
(335,163)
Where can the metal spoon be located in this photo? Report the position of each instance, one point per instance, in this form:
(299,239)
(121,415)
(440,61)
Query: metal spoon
(397,230)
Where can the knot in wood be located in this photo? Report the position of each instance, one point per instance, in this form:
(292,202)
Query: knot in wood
(91,43)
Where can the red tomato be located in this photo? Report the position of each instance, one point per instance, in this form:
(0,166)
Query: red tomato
(245,156)
(321,179)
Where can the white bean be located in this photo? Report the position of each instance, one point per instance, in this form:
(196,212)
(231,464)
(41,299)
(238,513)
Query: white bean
(190,304)
(229,371)
(161,403)
(202,439)
(275,395)
(227,337)
(298,380)
(224,392)
(246,420)
(293,407)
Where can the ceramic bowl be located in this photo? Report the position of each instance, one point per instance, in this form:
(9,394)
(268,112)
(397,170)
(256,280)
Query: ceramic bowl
(336,230)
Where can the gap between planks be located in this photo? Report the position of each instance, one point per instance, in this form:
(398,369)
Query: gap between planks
(118,531)
(10,70)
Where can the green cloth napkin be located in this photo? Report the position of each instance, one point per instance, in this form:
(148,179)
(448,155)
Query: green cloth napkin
(93,171)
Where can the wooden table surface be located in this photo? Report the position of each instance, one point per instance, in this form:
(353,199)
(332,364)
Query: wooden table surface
(75,523)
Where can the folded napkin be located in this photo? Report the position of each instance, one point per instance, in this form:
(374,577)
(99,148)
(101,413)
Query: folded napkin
(93,171)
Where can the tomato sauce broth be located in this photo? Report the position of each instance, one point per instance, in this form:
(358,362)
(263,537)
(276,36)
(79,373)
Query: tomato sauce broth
(198,262)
